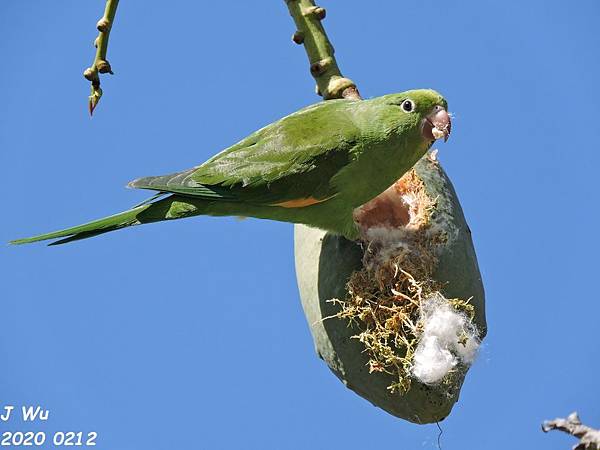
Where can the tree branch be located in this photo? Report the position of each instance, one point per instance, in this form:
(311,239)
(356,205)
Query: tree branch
(589,438)
(101,64)
(323,66)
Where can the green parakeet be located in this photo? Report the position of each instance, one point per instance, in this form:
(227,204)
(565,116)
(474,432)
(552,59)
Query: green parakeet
(313,167)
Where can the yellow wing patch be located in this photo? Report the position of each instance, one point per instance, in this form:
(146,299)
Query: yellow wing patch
(300,202)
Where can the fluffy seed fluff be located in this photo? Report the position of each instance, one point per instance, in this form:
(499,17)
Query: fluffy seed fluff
(447,340)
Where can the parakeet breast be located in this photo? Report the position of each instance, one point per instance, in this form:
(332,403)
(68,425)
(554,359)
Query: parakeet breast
(378,167)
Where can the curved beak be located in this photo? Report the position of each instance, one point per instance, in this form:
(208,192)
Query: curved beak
(436,125)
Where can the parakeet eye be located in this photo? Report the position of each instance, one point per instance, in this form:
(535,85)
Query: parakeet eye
(408,105)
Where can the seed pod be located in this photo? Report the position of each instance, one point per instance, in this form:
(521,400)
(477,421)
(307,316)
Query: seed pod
(427,219)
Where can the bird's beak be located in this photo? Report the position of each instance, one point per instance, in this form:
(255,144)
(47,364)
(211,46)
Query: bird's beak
(436,124)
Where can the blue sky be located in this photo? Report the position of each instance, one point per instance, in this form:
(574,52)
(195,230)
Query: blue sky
(191,334)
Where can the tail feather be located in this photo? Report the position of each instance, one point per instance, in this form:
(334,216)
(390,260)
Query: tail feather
(168,208)
(89,229)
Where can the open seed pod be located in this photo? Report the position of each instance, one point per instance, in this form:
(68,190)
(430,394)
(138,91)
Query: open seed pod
(399,316)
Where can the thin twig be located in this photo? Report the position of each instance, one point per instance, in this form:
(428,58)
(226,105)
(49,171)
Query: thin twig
(323,66)
(589,438)
(101,64)
(439,438)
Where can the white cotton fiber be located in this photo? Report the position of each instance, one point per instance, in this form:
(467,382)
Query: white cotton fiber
(448,339)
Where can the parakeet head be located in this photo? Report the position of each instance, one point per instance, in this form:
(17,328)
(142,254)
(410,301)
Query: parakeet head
(423,110)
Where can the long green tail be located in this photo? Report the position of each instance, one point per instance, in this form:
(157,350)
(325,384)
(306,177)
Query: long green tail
(171,207)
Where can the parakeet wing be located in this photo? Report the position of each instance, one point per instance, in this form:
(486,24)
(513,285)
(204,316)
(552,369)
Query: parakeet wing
(291,159)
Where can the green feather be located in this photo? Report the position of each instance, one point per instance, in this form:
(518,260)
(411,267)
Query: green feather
(109,223)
